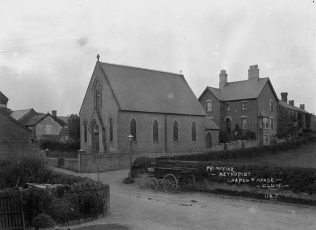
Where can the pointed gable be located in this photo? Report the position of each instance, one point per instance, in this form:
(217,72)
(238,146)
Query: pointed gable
(146,90)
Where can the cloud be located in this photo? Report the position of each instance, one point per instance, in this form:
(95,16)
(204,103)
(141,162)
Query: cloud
(82,41)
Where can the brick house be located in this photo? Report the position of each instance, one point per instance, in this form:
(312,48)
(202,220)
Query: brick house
(158,108)
(252,104)
(293,120)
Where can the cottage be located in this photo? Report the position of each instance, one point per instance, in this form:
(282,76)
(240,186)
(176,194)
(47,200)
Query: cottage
(251,104)
(158,108)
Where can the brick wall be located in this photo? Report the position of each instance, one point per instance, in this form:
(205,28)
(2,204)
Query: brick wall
(216,106)
(144,133)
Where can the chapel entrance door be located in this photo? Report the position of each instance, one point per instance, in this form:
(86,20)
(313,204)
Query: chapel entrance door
(95,138)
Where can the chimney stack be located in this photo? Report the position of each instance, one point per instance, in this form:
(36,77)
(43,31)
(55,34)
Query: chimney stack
(54,113)
(253,72)
(302,106)
(222,79)
(284,96)
(291,102)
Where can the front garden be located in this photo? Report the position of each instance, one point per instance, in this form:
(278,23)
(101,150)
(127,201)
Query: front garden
(48,196)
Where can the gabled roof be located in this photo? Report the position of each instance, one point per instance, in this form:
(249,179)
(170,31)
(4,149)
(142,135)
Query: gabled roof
(36,119)
(144,90)
(286,105)
(63,119)
(3,98)
(19,114)
(241,90)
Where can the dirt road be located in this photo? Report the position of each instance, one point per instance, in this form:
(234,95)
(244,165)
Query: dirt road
(141,209)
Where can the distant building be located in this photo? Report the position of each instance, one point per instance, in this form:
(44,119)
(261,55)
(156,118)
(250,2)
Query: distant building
(252,104)
(292,120)
(158,108)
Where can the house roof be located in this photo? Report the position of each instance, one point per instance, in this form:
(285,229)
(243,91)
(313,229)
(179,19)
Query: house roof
(37,118)
(286,105)
(210,124)
(63,119)
(18,114)
(6,124)
(240,90)
(137,89)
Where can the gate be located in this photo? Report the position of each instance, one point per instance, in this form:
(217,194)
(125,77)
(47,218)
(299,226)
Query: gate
(11,210)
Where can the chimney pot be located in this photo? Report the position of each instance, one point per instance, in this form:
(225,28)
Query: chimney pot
(222,79)
(253,72)
(54,113)
(291,102)
(284,96)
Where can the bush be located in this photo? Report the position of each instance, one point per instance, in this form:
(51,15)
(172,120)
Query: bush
(63,210)
(59,146)
(43,221)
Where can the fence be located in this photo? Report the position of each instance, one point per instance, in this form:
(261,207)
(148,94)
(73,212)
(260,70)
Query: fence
(11,210)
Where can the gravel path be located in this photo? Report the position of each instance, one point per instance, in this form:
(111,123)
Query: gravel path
(142,210)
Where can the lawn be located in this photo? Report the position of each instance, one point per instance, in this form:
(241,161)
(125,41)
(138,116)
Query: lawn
(304,156)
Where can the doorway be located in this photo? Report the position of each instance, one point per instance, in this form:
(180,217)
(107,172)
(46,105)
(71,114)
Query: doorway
(208,140)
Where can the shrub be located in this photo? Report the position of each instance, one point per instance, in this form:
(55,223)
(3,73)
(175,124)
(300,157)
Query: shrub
(90,203)
(245,153)
(63,209)
(43,221)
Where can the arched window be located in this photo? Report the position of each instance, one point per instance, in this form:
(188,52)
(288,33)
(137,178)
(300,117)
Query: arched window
(98,95)
(175,131)
(193,131)
(133,128)
(228,124)
(111,129)
(155,130)
(85,131)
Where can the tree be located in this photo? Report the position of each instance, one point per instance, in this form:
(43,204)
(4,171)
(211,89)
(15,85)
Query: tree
(74,126)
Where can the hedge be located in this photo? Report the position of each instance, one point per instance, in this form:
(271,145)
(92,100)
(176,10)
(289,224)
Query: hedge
(59,146)
(247,152)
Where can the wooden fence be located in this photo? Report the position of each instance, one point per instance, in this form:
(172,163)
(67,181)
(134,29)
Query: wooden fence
(11,210)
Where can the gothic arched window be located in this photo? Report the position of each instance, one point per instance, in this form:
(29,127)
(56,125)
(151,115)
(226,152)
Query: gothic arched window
(175,131)
(111,129)
(193,131)
(155,130)
(98,95)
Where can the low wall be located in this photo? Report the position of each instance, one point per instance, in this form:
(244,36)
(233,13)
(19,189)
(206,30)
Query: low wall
(71,164)
(52,161)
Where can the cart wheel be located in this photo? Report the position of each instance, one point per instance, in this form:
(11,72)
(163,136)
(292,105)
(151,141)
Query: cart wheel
(143,181)
(153,184)
(170,183)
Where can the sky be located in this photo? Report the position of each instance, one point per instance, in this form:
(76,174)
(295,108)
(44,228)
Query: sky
(48,48)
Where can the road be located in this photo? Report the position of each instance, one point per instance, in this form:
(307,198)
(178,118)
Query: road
(142,210)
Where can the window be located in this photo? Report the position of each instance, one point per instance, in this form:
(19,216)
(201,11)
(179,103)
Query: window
(266,122)
(266,139)
(228,124)
(133,128)
(111,129)
(155,130)
(244,105)
(175,131)
(227,106)
(208,106)
(271,123)
(271,106)
(85,131)
(193,131)
(98,95)
(244,123)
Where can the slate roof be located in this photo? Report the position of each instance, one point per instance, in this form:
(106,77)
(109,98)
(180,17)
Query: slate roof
(18,114)
(286,105)
(144,90)
(34,120)
(210,124)
(240,90)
